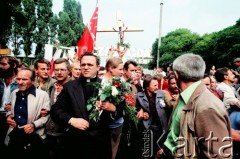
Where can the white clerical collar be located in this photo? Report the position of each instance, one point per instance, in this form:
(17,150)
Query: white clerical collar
(89,79)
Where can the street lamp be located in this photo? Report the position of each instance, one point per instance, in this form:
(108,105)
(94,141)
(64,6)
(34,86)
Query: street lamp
(160,33)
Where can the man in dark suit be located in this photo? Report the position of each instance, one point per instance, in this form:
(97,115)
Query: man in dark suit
(84,139)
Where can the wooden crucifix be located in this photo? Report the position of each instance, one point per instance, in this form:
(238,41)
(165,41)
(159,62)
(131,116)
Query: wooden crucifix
(120,28)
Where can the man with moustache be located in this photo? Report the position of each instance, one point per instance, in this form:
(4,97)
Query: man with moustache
(172,91)
(152,113)
(55,134)
(8,71)
(225,77)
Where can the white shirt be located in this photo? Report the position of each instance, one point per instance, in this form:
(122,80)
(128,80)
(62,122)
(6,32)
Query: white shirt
(228,95)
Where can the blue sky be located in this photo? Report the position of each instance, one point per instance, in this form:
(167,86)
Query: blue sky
(200,16)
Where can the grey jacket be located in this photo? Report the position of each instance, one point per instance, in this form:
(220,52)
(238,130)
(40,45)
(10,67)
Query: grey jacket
(142,101)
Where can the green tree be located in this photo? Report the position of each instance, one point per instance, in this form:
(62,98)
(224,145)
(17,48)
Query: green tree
(173,44)
(41,36)
(66,33)
(16,31)
(53,27)
(28,31)
(227,45)
(10,13)
(153,63)
(71,24)
(204,47)
(15,38)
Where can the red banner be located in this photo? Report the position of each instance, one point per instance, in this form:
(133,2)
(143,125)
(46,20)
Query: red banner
(86,43)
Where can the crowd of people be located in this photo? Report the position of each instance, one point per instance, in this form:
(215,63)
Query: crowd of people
(185,112)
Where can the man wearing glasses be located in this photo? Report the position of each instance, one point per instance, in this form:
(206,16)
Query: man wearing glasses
(90,140)
(55,134)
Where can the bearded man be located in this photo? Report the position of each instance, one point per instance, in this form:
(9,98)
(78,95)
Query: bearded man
(8,71)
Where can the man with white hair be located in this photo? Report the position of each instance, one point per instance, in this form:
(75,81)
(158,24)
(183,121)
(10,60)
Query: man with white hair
(199,127)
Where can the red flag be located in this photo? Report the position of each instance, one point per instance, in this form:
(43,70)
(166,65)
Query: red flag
(55,56)
(51,67)
(86,43)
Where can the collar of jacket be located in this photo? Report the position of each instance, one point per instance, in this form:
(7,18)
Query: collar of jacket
(144,96)
(198,91)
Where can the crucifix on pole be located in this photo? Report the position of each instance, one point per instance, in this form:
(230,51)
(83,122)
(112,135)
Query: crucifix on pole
(120,28)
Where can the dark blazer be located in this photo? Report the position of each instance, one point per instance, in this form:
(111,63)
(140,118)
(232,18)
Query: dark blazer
(91,143)
(142,102)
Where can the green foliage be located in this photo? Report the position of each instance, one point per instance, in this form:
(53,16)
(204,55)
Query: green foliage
(15,38)
(11,15)
(32,21)
(126,45)
(53,27)
(70,23)
(29,30)
(181,40)
(222,46)
(66,33)
(26,60)
(91,102)
(114,91)
(204,47)
(28,21)
(153,63)
(131,111)
(41,36)
(173,44)
(226,47)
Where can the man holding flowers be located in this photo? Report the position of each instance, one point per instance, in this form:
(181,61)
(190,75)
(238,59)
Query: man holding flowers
(85,139)
(114,67)
(114,91)
(129,139)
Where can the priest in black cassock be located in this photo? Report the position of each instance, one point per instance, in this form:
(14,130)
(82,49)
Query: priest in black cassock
(84,139)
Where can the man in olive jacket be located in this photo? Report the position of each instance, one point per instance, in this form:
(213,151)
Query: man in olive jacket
(200,126)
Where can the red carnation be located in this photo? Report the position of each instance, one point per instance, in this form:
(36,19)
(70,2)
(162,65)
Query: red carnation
(117,84)
(131,103)
(128,97)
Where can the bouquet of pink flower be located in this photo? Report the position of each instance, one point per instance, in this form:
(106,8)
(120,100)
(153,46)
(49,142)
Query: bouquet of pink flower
(114,91)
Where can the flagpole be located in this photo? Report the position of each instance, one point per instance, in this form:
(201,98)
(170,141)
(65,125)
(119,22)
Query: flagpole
(94,40)
(160,34)
(86,42)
